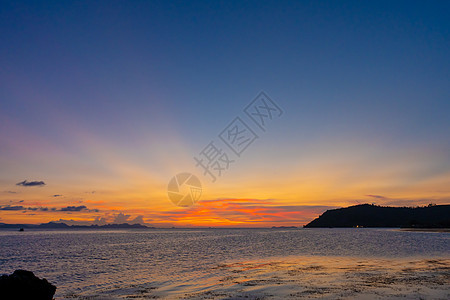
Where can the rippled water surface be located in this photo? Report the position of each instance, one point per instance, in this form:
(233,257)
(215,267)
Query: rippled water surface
(92,262)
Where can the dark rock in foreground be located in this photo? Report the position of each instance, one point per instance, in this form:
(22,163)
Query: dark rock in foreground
(23,285)
(366,215)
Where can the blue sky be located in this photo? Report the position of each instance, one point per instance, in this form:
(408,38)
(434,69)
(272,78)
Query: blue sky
(94,90)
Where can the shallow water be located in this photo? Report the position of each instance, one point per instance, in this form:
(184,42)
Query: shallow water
(177,262)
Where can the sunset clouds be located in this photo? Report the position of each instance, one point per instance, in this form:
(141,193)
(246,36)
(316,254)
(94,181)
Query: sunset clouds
(241,212)
(99,111)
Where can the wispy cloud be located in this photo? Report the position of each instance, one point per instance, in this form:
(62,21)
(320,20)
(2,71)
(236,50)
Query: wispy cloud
(99,221)
(376,196)
(44,209)
(121,218)
(17,207)
(138,220)
(74,208)
(30,183)
(118,219)
(37,208)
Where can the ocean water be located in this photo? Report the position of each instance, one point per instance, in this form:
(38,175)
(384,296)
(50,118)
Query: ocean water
(178,262)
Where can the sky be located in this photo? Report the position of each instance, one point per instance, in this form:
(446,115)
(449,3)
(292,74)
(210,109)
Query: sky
(102,103)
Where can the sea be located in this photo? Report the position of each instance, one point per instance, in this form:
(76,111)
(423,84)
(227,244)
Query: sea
(272,263)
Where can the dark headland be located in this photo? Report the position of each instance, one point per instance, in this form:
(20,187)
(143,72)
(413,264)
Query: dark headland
(369,215)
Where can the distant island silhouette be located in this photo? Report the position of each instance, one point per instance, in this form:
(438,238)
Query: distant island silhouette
(58,225)
(370,215)
(362,215)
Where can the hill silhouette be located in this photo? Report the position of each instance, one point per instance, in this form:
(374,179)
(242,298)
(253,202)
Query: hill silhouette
(58,225)
(369,215)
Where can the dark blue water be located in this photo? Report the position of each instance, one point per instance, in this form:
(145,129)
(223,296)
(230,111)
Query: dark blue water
(88,261)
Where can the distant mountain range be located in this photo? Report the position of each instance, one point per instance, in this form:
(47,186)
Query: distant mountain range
(364,215)
(55,225)
(369,215)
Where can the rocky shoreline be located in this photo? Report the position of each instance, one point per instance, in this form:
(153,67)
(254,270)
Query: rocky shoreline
(24,285)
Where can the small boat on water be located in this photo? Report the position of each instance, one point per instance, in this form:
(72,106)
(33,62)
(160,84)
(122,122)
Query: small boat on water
(21,229)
